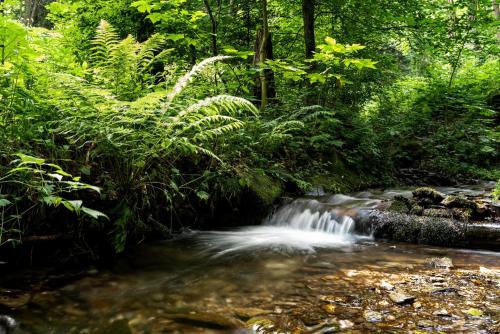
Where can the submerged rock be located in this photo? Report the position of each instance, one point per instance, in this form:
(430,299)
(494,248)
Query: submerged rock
(372,316)
(444,291)
(443,262)
(441,313)
(401,298)
(258,324)
(249,312)
(205,319)
(117,327)
(426,324)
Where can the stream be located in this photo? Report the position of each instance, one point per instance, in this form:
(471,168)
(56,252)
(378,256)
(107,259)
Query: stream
(308,268)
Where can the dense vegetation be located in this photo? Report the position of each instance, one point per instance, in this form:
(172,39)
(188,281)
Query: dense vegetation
(125,119)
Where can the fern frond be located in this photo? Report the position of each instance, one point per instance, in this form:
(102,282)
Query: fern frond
(104,42)
(188,77)
(220,103)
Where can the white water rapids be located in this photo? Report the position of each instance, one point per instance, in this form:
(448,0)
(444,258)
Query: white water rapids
(303,225)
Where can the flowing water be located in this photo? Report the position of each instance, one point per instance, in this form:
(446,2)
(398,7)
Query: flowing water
(306,269)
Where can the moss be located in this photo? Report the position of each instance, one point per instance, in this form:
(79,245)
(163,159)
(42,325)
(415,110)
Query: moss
(340,179)
(415,229)
(427,194)
(459,202)
(399,206)
(267,189)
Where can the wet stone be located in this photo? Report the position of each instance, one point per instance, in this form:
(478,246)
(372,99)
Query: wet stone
(386,286)
(426,324)
(345,324)
(372,316)
(259,323)
(249,312)
(443,262)
(444,291)
(441,313)
(401,298)
(205,319)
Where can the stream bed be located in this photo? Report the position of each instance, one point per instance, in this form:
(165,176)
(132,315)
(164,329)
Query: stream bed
(304,270)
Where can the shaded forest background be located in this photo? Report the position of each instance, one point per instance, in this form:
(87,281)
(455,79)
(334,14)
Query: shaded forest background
(124,120)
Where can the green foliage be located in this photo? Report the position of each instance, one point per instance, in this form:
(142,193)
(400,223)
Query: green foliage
(128,95)
(424,124)
(44,185)
(496,191)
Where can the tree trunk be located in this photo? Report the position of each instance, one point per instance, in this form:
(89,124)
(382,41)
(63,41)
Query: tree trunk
(267,74)
(496,11)
(213,21)
(308,17)
(263,55)
(310,44)
(264,50)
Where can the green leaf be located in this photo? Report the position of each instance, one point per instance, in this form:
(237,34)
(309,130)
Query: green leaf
(27,159)
(203,195)
(73,206)
(175,37)
(4,202)
(93,213)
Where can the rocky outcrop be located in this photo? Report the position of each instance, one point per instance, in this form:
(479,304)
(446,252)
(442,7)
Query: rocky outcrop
(433,218)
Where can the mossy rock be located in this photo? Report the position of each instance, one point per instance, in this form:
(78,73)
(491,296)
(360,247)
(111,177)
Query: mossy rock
(437,212)
(459,202)
(428,195)
(417,229)
(400,204)
(266,188)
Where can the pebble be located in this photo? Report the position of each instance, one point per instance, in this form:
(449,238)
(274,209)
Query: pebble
(344,324)
(401,298)
(372,316)
(442,313)
(386,286)
(443,262)
(425,324)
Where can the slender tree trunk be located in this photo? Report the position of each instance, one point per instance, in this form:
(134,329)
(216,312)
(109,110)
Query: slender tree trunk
(310,43)
(309,36)
(214,24)
(2,40)
(263,55)
(496,12)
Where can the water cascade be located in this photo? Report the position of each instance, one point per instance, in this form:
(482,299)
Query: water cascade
(303,225)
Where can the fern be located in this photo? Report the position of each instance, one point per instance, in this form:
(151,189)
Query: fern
(104,43)
(189,77)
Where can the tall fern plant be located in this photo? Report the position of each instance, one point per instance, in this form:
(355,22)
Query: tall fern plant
(137,145)
(126,66)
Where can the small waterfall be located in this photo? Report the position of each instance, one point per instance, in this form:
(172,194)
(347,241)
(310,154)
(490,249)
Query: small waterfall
(310,215)
(303,225)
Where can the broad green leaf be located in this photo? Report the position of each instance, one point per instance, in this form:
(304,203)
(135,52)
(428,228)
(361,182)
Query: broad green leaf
(4,202)
(175,37)
(73,206)
(29,159)
(203,195)
(93,213)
